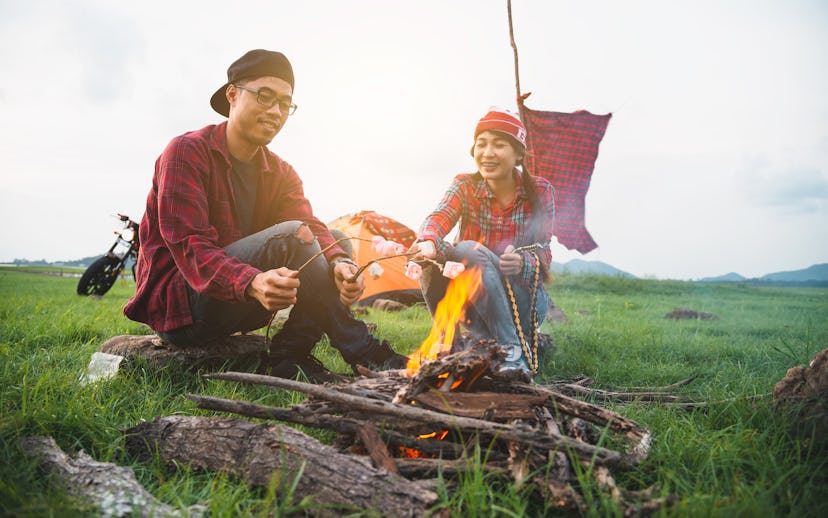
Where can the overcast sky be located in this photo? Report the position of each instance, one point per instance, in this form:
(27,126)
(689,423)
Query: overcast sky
(715,160)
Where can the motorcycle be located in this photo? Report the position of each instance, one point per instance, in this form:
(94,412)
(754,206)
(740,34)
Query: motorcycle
(102,274)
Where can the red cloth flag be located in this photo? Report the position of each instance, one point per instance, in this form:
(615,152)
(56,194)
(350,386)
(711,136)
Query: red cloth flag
(562,147)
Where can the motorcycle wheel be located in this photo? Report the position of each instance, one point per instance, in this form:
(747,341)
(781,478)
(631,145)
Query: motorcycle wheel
(100,276)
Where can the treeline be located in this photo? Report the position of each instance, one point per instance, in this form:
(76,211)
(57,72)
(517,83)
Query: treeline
(79,263)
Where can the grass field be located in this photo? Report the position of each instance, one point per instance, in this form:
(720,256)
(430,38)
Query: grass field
(736,456)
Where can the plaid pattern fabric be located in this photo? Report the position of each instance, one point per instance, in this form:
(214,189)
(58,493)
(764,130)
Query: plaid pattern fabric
(470,201)
(386,227)
(190,217)
(562,148)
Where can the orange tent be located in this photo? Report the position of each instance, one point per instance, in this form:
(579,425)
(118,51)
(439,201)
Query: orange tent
(392,284)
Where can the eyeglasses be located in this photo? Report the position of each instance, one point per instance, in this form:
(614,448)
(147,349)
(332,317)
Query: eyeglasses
(267,97)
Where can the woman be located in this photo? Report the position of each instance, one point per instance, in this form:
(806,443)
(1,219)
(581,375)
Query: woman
(505,217)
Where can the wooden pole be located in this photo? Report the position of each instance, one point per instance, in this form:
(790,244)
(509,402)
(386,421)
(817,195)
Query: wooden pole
(514,47)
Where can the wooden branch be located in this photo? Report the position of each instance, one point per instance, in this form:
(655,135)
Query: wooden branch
(594,414)
(499,431)
(316,417)
(370,438)
(429,468)
(376,260)
(482,405)
(514,47)
(607,395)
(112,489)
(666,387)
(267,453)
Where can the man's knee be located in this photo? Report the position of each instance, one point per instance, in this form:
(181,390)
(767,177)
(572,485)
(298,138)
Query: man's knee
(297,229)
(289,244)
(303,233)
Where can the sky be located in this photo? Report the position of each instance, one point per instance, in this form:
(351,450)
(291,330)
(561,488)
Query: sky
(715,160)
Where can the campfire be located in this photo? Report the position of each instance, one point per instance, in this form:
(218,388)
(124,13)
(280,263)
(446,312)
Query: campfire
(450,312)
(437,415)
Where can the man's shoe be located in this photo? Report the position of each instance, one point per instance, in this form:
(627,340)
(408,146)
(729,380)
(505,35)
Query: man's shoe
(382,358)
(288,367)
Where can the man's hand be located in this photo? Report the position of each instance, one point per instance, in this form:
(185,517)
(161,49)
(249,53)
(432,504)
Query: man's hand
(510,262)
(274,289)
(349,292)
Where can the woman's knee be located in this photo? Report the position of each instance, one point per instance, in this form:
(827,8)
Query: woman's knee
(473,253)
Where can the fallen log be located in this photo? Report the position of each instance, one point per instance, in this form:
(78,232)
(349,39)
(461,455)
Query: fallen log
(258,452)
(236,352)
(110,488)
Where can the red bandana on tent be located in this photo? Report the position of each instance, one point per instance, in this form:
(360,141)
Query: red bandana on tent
(562,147)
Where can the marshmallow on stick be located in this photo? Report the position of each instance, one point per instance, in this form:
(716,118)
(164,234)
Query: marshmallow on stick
(385,247)
(375,271)
(413,270)
(452,269)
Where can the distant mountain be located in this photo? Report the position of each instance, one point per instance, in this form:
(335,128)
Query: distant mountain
(817,272)
(816,275)
(728,277)
(581,267)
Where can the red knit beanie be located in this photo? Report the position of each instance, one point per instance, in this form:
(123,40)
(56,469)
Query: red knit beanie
(502,121)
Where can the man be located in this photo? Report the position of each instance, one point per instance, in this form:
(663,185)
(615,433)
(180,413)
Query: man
(227,227)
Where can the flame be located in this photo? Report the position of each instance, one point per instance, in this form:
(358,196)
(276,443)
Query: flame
(412,453)
(450,312)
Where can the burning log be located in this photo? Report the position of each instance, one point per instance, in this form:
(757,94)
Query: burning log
(456,371)
(259,452)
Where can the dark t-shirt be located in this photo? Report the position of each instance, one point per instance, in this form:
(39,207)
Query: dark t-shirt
(245,178)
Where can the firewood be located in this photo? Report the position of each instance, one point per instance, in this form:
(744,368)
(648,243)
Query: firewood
(315,416)
(258,452)
(494,406)
(615,396)
(457,371)
(370,437)
(597,415)
(439,421)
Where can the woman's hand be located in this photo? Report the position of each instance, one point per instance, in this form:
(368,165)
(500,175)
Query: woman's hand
(422,250)
(510,262)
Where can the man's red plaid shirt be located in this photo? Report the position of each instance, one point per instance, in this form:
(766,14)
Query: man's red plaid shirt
(190,218)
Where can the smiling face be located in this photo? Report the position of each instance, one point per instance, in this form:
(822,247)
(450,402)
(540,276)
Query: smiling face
(251,124)
(495,156)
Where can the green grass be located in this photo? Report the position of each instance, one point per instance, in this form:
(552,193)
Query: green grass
(737,456)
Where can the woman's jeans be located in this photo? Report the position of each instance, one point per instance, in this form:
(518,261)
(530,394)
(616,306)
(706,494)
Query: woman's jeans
(490,316)
(317,312)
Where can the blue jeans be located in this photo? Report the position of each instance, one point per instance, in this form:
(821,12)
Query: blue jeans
(317,312)
(490,316)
